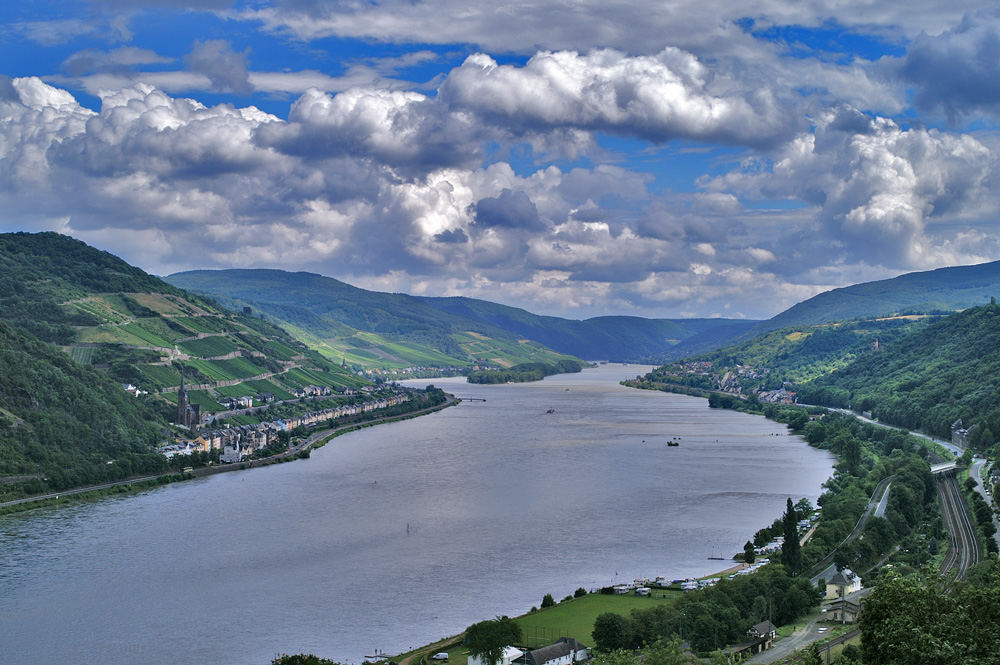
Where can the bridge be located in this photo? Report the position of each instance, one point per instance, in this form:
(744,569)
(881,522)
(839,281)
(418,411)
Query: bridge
(944,468)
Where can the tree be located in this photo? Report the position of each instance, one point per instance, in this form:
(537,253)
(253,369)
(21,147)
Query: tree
(302,659)
(791,551)
(487,639)
(548,600)
(749,554)
(611,632)
(580,593)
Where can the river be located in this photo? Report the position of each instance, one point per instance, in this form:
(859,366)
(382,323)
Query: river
(396,535)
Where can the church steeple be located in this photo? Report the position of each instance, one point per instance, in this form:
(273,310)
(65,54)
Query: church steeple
(182,404)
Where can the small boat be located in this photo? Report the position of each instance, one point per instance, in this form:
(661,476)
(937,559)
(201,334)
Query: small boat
(673,444)
(551,411)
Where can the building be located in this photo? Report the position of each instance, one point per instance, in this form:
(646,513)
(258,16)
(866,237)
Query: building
(960,434)
(563,652)
(843,610)
(841,584)
(510,654)
(188,415)
(760,638)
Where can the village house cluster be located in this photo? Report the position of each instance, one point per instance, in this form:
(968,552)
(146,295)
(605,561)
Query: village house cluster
(239,443)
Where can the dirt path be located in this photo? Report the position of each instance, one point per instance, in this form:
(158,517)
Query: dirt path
(431,648)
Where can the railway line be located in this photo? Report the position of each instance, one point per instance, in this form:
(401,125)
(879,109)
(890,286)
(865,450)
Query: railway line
(963,548)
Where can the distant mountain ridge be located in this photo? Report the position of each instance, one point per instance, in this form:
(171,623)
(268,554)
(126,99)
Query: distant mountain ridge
(931,291)
(337,312)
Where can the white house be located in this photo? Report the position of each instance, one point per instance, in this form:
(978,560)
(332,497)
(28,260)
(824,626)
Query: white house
(841,584)
(566,651)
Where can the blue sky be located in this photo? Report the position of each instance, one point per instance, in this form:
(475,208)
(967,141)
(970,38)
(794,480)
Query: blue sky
(572,158)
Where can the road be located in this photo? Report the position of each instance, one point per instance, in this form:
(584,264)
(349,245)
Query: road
(976,473)
(948,445)
(824,568)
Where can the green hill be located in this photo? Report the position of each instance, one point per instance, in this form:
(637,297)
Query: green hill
(927,379)
(77,323)
(933,291)
(614,338)
(785,358)
(370,328)
(392,330)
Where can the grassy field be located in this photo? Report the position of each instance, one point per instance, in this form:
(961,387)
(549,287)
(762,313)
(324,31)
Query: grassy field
(575,618)
(572,618)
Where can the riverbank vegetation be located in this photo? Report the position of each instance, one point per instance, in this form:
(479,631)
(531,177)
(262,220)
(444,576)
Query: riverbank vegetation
(526,372)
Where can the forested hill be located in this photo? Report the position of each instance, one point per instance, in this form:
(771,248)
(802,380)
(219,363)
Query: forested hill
(368,328)
(785,358)
(615,338)
(78,323)
(385,328)
(39,272)
(64,424)
(932,291)
(927,379)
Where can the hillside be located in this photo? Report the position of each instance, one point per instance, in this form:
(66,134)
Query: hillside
(369,328)
(394,330)
(932,291)
(927,379)
(63,424)
(115,324)
(614,338)
(786,358)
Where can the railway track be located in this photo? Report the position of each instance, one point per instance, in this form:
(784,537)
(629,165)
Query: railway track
(963,548)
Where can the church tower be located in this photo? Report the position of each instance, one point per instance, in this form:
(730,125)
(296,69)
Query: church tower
(182,404)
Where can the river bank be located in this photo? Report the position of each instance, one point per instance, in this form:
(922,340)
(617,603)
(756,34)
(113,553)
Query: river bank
(300,450)
(590,489)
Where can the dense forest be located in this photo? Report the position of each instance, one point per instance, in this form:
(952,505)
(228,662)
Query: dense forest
(928,379)
(66,424)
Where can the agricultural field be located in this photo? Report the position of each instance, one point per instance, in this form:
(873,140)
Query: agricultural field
(226,370)
(160,376)
(165,328)
(265,386)
(82,354)
(107,308)
(208,347)
(239,390)
(209,404)
(205,324)
(158,302)
(148,338)
(109,334)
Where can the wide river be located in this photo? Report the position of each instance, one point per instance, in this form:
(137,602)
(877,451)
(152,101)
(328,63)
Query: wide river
(396,535)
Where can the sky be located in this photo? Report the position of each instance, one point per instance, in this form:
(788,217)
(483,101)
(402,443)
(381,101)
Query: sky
(665,158)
